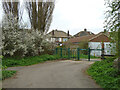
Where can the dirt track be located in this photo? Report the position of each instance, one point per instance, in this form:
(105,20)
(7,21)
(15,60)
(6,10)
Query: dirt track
(60,74)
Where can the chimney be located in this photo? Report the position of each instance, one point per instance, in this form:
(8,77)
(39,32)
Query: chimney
(85,29)
(68,33)
(105,30)
(53,33)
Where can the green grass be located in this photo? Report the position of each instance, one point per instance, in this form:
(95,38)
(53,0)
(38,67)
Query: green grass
(86,56)
(7,74)
(105,74)
(12,62)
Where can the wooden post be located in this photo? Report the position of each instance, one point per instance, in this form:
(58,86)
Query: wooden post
(102,51)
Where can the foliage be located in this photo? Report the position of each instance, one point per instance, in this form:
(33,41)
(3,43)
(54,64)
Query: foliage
(11,62)
(105,74)
(22,42)
(83,45)
(7,74)
(113,24)
(18,41)
(112,19)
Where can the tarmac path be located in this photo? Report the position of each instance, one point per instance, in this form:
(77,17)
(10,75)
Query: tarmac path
(52,74)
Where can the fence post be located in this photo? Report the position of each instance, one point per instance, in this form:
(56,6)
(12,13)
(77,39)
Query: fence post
(78,53)
(56,51)
(61,52)
(68,53)
(88,54)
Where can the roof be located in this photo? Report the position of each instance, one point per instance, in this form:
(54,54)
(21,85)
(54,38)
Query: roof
(81,39)
(90,38)
(100,38)
(83,33)
(58,33)
(106,33)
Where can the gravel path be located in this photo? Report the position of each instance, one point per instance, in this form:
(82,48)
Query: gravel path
(60,74)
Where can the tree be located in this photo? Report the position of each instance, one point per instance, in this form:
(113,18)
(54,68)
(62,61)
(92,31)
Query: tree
(12,8)
(23,42)
(113,24)
(40,14)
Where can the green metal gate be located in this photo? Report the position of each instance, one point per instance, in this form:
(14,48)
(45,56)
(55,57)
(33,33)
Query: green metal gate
(73,53)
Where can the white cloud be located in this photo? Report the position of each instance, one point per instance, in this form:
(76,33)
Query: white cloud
(76,15)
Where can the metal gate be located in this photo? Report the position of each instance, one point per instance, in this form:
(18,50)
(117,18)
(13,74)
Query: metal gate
(73,53)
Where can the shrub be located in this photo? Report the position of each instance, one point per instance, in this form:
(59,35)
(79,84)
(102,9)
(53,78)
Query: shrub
(104,74)
(7,74)
(22,42)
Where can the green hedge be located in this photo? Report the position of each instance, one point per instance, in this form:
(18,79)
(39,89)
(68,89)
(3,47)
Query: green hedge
(105,74)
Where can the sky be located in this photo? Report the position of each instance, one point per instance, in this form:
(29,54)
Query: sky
(75,15)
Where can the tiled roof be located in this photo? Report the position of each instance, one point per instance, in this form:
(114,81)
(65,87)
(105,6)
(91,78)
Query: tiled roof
(81,39)
(58,33)
(83,33)
(100,38)
(90,38)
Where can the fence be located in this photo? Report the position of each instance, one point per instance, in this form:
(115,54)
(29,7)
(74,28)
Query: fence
(74,53)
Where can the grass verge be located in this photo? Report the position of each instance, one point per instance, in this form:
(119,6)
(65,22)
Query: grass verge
(105,74)
(12,62)
(7,74)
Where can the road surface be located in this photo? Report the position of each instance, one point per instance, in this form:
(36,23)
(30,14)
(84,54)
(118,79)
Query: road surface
(54,74)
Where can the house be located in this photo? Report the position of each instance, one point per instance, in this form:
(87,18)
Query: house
(58,36)
(83,33)
(94,42)
(105,32)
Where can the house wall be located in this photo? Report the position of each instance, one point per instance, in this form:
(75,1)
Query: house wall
(52,39)
(98,45)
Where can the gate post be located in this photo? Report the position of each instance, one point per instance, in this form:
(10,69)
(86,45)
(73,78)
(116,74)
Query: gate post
(56,50)
(88,54)
(78,53)
(61,52)
(68,53)
(102,51)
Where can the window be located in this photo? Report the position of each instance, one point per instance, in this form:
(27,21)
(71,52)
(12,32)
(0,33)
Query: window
(65,39)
